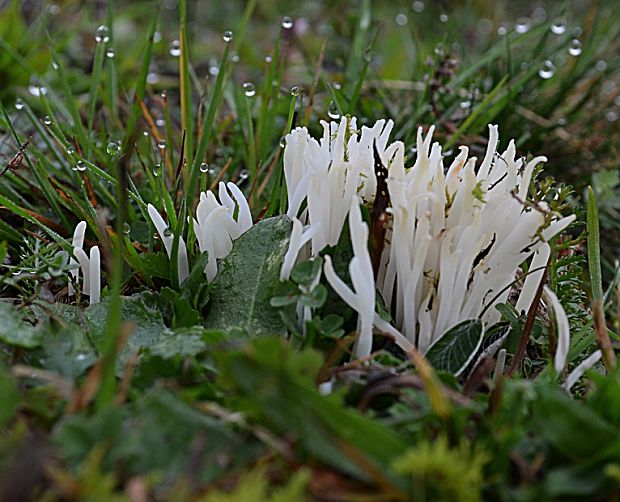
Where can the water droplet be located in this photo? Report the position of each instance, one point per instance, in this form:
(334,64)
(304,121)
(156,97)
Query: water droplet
(227,36)
(443,18)
(295,91)
(558,27)
(547,71)
(213,170)
(47,120)
(160,122)
(54,9)
(126,228)
(152,78)
(80,357)
(601,65)
(102,35)
(113,148)
(204,167)
(156,170)
(268,59)
(37,90)
(70,151)
(465,105)
(523,25)
(235,58)
(562,121)
(418,6)
(157,37)
(54,65)
(332,111)
(575,48)
(282,141)
(161,144)
(80,166)
(145,134)
(19,104)
(249,89)
(611,116)
(401,19)
(502,30)
(167,232)
(175,48)
(287,23)
(244,174)
(110,54)
(336,85)
(539,14)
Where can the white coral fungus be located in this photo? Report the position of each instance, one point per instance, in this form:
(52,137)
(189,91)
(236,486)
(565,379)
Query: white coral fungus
(456,236)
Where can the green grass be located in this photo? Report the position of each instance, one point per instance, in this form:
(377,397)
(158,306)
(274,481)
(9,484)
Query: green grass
(154,389)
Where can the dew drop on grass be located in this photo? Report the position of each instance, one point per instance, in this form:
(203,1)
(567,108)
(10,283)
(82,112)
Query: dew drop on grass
(244,174)
(204,167)
(37,90)
(282,141)
(161,144)
(70,151)
(249,89)
(167,232)
(295,91)
(502,30)
(465,105)
(332,111)
(80,357)
(213,171)
(102,35)
(418,6)
(113,148)
(81,166)
(401,19)
(558,27)
(160,122)
(235,58)
(227,36)
(443,18)
(47,120)
(601,65)
(287,22)
(547,71)
(575,48)
(110,53)
(523,25)
(175,48)
(126,228)
(156,170)
(19,104)
(157,36)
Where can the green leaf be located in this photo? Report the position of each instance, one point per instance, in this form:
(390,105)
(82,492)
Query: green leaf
(183,314)
(15,332)
(457,346)
(305,273)
(241,293)
(139,310)
(183,342)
